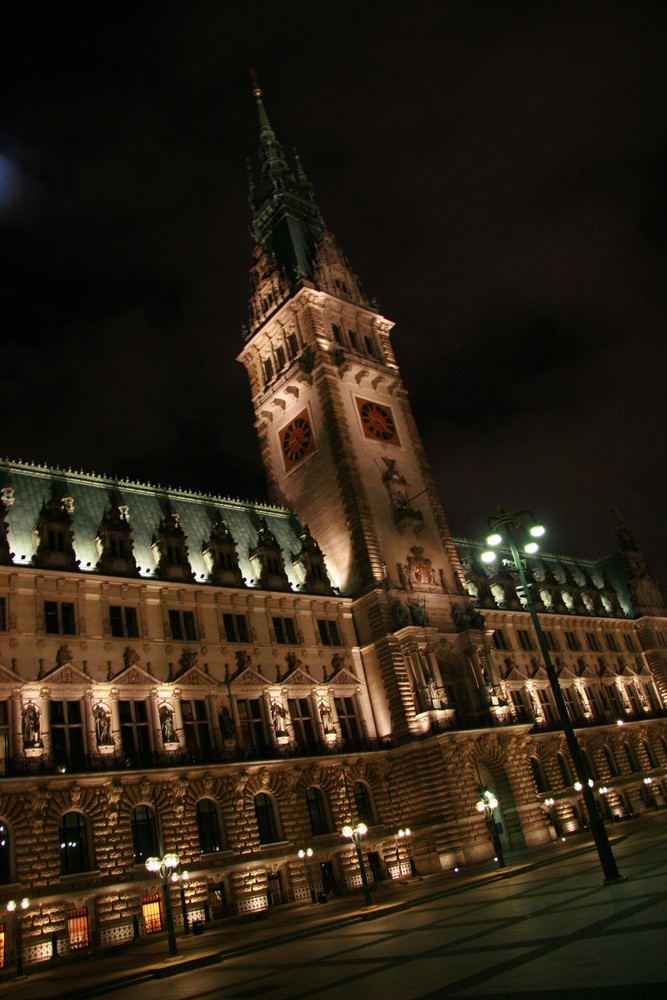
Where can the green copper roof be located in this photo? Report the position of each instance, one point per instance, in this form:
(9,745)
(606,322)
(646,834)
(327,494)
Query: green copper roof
(94,495)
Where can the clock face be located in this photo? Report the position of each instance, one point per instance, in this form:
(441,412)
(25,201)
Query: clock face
(295,439)
(377,421)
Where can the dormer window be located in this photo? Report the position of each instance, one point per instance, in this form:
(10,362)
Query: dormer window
(170,550)
(53,534)
(114,543)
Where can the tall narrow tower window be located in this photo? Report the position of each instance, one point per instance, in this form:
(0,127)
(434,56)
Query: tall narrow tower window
(338,336)
(268,369)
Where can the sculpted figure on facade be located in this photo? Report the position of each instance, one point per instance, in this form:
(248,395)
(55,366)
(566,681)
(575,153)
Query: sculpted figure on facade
(31,728)
(102,726)
(167,725)
(278,714)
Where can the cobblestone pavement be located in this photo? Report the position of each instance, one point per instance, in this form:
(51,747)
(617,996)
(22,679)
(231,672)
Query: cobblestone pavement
(545,927)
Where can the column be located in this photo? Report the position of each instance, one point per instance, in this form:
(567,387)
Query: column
(178,716)
(115,720)
(45,720)
(158,745)
(91,730)
(17,724)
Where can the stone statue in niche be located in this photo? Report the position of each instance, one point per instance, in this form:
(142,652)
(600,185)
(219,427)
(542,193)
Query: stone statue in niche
(418,613)
(102,726)
(64,655)
(398,489)
(400,615)
(167,725)
(278,715)
(326,717)
(31,737)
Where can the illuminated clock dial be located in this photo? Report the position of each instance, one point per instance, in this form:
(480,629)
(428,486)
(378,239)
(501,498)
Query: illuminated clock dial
(295,439)
(378,421)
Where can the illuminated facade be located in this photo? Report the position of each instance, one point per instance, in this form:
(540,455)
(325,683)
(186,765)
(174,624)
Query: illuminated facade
(233,682)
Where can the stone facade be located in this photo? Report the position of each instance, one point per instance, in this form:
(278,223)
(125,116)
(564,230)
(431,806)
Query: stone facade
(232,682)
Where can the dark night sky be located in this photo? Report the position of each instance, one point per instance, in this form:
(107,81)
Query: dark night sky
(496,173)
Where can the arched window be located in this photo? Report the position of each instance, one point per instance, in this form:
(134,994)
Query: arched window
(611,761)
(5,855)
(317,810)
(648,750)
(364,803)
(591,770)
(73,844)
(208,825)
(632,757)
(565,770)
(144,834)
(266,819)
(538,775)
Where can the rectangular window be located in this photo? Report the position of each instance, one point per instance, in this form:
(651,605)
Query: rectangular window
(550,640)
(152,913)
(78,930)
(338,336)
(630,643)
(268,369)
(500,639)
(304,731)
(284,631)
(67,737)
(195,725)
(571,704)
(182,625)
(328,633)
(253,735)
(545,703)
(134,729)
(281,359)
(369,346)
(292,345)
(611,642)
(525,639)
(520,707)
(593,641)
(572,641)
(124,622)
(236,628)
(3,615)
(348,719)
(353,340)
(59,618)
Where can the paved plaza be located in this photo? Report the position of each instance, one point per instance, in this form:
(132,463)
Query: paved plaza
(545,928)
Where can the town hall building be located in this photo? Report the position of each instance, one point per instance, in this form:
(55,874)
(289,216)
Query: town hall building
(232,682)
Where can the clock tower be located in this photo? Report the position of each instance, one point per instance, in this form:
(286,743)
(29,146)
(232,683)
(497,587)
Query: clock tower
(338,439)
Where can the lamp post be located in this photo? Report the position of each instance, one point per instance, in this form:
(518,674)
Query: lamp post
(355,834)
(305,857)
(503,525)
(180,878)
(486,804)
(16,907)
(405,836)
(163,866)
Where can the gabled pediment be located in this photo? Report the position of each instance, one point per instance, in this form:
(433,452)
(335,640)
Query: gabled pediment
(299,677)
(540,674)
(196,676)
(344,676)
(516,675)
(6,674)
(66,673)
(589,671)
(566,674)
(134,674)
(249,676)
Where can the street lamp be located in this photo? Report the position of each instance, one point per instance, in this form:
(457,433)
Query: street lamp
(305,857)
(486,804)
(180,878)
(503,525)
(405,835)
(163,866)
(355,834)
(16,907)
